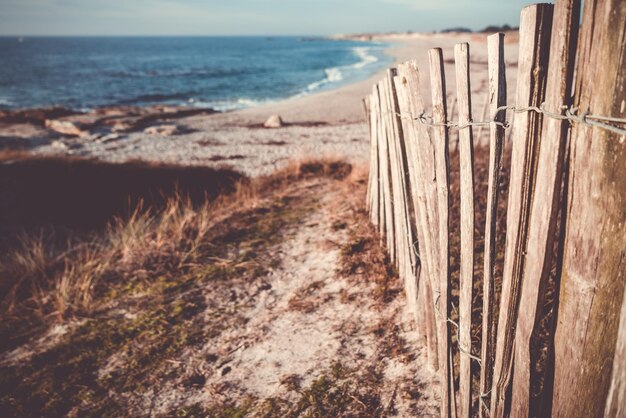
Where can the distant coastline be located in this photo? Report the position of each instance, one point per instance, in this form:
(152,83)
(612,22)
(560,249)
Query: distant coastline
(221,73)
(377,36)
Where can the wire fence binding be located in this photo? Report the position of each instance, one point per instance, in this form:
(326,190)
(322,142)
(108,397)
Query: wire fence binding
(571,115)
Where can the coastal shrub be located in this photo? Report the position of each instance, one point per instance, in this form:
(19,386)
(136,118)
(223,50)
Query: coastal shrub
(59,270)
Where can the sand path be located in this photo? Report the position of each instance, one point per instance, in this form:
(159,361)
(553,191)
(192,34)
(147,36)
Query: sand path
(306,323)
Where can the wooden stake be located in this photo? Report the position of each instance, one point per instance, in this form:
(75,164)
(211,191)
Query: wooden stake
(382,215)
(535,27)
(442,303)
(423,268)
(594,263)
(422,177)
(404,233)
(368,120)
(482,141)
(545,208)
(466,175)
(386,173)
(375,161)
(411,283)
(454,141)
(396,189)
(616,399)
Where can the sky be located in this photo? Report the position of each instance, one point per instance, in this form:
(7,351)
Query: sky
(249,17)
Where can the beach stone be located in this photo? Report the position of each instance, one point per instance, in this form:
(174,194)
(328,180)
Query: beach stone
(121,126)
(274,122)
(163,130)
(108,138)
(64,127)
(59,145)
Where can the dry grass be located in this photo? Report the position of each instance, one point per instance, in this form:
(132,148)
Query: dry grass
(62,278)
(86,194)
(136,290)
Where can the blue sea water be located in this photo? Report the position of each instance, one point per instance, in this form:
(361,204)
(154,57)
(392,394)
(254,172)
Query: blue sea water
(219,72)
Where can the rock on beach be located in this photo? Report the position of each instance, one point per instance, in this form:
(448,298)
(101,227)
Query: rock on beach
(274,122)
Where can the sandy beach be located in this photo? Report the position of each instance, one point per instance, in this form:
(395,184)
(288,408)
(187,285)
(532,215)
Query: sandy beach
(328,123)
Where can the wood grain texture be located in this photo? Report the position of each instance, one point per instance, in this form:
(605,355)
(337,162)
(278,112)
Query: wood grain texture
(416,247)
(374,164)
(442,173)
(497,94)
(368,194)
(389,230)
(466,177)
(396,192)
(616,399)
(452,115)
(535,30)
(372,174)
(544,212)
(382,226)
(423,184)
(594,264)
(482,138)
(404,231)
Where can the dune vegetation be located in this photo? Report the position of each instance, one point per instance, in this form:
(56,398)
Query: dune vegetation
(111,319)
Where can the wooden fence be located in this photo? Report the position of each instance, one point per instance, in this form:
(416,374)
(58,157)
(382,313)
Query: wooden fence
(536,333)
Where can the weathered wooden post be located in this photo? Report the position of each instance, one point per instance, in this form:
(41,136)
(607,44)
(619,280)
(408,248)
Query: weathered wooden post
(544,212)
(616,399)
(535,31)
(420,207)
(594,264)
(387,205)
(497,94)
(439,135)
(466,176)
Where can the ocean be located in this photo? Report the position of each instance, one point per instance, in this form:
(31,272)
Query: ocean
(222,73)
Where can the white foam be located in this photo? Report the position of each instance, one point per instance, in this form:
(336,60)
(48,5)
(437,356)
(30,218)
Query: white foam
(366,58)
(336,74)
(226,105)
(333,75)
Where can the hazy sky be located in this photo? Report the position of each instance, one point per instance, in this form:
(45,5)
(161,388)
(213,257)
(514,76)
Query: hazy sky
(248,17)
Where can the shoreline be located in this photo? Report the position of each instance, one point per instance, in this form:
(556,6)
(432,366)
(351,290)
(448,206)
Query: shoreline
(363,59)
(325,123)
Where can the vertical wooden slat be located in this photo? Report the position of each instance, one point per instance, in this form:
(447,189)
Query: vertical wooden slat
(395,207)
(382,220)
(375,115)
(410,280)
(404,232)
(422,180)
(481,137)
(594,263)
(535,27)
(389,208)
(396,188)
(385,171)
(545,207)
(497,94)
(370,187)
(454,139)
(374,162)
(616,399)
(466,176)
(440,139)
(509,134)
(422,268)
(366,112)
